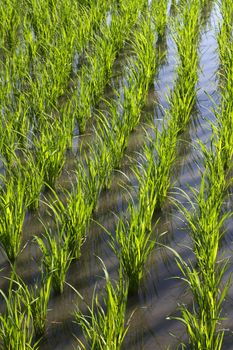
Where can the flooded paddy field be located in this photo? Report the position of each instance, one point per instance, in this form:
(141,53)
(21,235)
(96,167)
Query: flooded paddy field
(116,175)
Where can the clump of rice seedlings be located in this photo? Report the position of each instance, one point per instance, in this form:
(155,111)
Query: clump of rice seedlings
(8,141)
(39,296)
(50,147)
(159,12)
(104,327)
(56,257)
(133,246)
(28,169)
(35,300)
(186,37)
(12,209)
(202,320)
(89,18)
(140,71)
(73,213)
(54,38)
(161,153)
(10,26)
(16,331)
(224,129)
(223,113)
(224,37)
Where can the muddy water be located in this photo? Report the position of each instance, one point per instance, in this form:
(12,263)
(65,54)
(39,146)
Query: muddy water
(160,293)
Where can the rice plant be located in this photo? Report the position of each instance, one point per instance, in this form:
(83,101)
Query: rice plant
(16,330)
(39,296)
(56,257)
(50,147)
(159,11)
(13,209)
(73,213)
(104,327)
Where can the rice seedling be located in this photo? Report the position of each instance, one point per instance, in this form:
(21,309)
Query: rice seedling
(16,331)
(56,257)
(134,242)
(160,153)
(104,327)
(50,147)
(35,301)
(159,12)
(13,209)
(39,296)
(73,213)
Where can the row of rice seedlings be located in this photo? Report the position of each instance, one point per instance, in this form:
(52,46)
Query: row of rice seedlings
(94,172)
(206,219)
(205,276)
(95,75)
(105,327)
(134,242)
